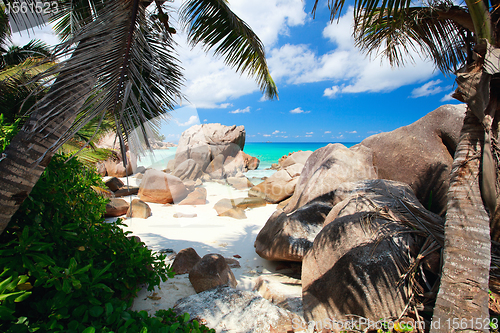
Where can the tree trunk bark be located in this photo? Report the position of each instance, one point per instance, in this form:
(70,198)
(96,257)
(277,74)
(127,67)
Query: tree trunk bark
(23,161)
(462,301)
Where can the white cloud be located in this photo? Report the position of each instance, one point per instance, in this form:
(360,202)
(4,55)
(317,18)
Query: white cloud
(309,133)
(331,92)
(430,88)
(299,110)
(245,110)
(345,65)
(276,132)
(225,105)
(328,132)
(447,97)
(44,33)
(270,18)
(266,135)
(351,132)
(192,120)
(209,82)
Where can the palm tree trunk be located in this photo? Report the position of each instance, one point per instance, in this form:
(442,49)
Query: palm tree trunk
(29,152)
(462,301)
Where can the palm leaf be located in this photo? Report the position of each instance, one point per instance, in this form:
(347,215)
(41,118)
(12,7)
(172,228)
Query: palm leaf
(138,74)
(88,156)
(35,49)
(28,68)
(4,31)
(419,29)
(366,8)
(72,15)
(212,23)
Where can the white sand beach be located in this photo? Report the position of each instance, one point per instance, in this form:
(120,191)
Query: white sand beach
(206,233)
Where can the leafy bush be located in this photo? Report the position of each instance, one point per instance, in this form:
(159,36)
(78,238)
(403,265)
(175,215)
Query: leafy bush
(7,131)
(66,270)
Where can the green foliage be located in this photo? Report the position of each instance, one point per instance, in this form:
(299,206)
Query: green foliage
(7,132)
(76,272)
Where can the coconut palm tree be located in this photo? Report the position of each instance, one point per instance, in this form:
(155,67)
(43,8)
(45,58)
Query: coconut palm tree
(455,37)
(121,61)
(18,66)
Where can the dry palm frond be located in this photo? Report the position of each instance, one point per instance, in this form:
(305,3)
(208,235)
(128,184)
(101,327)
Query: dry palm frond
(414,220)
(103,192)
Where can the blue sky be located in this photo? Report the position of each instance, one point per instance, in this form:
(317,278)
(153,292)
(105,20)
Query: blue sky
(328,90)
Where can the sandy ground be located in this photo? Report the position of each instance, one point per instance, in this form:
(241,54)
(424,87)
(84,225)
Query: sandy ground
(206,233)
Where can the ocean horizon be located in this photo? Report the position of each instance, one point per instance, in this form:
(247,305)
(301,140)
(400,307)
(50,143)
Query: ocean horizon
(267,152)
(270,152)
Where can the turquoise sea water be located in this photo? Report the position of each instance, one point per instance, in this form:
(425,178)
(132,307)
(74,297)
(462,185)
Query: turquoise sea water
(270,152)
(267,152)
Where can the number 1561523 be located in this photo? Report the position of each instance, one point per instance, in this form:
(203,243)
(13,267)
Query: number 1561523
(38,7)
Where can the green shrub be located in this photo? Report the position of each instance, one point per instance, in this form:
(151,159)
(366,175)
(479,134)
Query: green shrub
(7,132)
(66,270)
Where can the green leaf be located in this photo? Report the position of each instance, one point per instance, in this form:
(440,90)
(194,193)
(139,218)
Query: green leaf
(79,311)
(6,313)
(89,330)
(96,311)
(83,269)
(73,325)
(22,297)
(72,265)
(43,259)
(66,287)
(5,283)
(11,295)
(109,308)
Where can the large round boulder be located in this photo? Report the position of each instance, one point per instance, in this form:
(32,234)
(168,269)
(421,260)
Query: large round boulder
(234,165)
(421,154)
(185,260)
(116,207)
(159,187)
(139,209)
(231,310)
(288,234)
(203,143)
(296,157)
(211,271)
(188,169)
(358,263)
(279,186)
(327,168)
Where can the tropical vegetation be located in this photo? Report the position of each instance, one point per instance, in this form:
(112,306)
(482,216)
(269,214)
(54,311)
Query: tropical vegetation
(462,39)
(121,62)
(64,269)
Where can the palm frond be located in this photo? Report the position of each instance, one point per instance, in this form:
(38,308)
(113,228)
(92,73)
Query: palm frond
(4,31)
(72,15)
(35,49)
(230,37)
(88,156)
(366,8)
(419,29)
(138,75)
(26,69)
